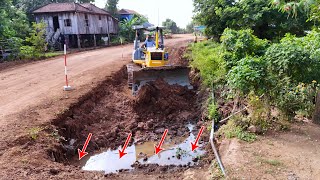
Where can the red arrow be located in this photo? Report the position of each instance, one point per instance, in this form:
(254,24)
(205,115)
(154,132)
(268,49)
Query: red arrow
(83,152)
(194,145)
(158,148)
(122,153)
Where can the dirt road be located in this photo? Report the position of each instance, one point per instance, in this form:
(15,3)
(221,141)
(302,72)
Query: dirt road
(293,154)
(31,84)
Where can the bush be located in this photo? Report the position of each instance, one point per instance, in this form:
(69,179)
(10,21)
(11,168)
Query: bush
(260,111)
(293,59)
(240,44)
(251,65)
(115,41)
(207,58)
(292,99)
(311,42)
(37,38)
(250,74)
(38,42)
(233,129)
(27,52)
(212,111)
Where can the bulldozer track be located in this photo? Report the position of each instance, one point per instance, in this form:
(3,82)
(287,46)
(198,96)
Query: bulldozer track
(130,75)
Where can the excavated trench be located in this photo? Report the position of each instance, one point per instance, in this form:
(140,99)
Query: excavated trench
(110,113)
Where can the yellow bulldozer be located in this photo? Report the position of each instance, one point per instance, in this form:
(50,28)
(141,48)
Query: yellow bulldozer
(152,63)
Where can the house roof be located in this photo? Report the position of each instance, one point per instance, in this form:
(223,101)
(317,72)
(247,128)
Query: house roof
(70,7)
(127,11)
(94,8)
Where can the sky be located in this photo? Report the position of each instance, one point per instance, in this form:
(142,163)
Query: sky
(180,11)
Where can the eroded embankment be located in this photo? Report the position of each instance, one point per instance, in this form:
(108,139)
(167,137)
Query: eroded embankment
(110,113)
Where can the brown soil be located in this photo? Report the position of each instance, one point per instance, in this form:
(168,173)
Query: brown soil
(292,155)
(159,101)
(38,118)
(111,108)
(177,56)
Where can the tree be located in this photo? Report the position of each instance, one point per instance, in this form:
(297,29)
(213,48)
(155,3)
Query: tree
(294,7)
(111,7)
(171,25)
(13,21)
(37,36)
(37,41)
(190,27)
(259,15)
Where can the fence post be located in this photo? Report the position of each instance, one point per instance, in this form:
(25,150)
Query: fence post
(66,87)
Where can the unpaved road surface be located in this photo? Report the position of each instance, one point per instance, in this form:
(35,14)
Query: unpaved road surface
(32,95)
(38,87)
(292,155)
(30,84)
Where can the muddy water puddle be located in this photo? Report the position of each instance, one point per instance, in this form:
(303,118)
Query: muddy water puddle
(177,151)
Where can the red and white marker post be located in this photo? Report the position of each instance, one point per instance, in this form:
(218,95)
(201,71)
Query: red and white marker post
(66,87)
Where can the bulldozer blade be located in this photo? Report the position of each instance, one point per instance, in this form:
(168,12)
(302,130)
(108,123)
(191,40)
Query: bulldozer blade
(171,74)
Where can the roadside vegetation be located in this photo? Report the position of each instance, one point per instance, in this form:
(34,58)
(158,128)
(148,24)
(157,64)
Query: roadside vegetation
(263,58)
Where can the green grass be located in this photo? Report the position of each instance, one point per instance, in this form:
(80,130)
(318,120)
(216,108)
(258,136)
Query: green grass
(207,57)
(231,130)
(53,54)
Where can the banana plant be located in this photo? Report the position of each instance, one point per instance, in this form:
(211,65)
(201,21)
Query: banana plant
(126,30)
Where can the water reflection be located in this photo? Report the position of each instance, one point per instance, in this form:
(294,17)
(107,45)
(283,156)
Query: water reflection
(177,152)
(109,161)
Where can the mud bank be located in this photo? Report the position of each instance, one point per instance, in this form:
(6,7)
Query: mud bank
(110,113)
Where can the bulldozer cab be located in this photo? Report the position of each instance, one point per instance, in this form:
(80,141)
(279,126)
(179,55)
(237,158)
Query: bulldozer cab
(155,56)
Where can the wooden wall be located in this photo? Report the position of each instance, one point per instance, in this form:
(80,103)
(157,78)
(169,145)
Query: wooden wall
(106,25)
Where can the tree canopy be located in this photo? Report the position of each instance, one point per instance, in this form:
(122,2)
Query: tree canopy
(259,15)
(190,27)
(13,21)
(295,7)
(111,6)
(171,25)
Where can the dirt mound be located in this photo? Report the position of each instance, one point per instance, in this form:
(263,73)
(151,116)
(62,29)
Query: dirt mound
(166,101)
(160,105)
(110,112)
(177,56)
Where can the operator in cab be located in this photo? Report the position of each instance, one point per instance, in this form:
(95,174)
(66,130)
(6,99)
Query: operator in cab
(149,42)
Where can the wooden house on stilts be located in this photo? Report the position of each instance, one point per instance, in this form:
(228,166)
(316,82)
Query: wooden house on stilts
(77,25)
